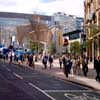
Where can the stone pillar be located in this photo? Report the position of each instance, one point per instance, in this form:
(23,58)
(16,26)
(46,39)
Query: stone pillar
(93,51)
(45,51)
(98,53)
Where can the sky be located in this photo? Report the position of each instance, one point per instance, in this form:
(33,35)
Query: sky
(47,7)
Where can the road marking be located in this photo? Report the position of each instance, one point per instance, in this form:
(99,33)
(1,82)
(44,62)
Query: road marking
(8,69)
(66,95)
(18,76)
(41,91)
(83,96)
(68,91)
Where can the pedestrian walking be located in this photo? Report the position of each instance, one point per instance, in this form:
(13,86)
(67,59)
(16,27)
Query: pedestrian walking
(73,66)
(4,57)
(36,58)
(60,62)
(44,61)
(31,60)
(21,58)
(85,66)
(77,62)
(97,68)
(50,61)
(7,56)
(11,58)
(69,65)
(78,66)
(65,60)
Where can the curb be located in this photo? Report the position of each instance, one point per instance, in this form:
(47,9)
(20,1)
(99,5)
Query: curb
(72,81)
(82,84)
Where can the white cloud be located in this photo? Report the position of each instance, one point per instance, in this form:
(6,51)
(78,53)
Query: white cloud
(67,6)
(74,7)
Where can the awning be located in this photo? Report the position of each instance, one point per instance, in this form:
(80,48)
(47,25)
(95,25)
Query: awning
(72,32)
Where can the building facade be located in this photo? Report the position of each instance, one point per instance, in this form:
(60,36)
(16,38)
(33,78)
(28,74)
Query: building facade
(92,27)
(10,22)
(70,27)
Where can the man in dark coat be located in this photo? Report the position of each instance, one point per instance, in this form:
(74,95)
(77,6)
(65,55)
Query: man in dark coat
(65,65)
(85,66)
(50,60)
(30,60)
(44,61)
(97,68)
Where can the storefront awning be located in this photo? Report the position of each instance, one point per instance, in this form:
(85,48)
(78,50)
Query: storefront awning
(72,32)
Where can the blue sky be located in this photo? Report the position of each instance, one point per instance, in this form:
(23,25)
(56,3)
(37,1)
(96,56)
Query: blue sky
(48,7)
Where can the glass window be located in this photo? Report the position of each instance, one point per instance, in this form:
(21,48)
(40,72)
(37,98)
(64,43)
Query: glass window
(74,36)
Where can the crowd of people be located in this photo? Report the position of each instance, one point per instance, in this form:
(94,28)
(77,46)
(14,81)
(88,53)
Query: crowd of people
(72,64)
(20,59)
(69,63)
(46,59)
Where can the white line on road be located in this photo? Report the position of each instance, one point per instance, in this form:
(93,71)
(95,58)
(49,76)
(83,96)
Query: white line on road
(66,95)
(18,76)
(68,91)
(41,91)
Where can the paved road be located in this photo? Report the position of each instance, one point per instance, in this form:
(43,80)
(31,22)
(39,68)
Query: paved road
(20,83)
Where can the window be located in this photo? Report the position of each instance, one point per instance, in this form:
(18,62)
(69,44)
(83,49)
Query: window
(74,36)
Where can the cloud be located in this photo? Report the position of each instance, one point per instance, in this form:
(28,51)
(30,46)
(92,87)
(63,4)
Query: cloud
(67,6)
(74,7)
(7,3)
(21,6)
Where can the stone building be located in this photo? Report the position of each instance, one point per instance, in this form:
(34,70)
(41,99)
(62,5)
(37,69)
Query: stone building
(71,28)
(92,27)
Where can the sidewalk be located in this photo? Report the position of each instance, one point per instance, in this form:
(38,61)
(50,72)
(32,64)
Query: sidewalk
(88,81)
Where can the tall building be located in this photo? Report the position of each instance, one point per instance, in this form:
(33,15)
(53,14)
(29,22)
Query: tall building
(92,27)
(71,26)
(9,23)
(68,23)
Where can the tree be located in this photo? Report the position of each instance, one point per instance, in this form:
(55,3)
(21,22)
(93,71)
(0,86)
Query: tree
(75,47)
(22,33)
(36,31)
(40,31)
(52,48)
